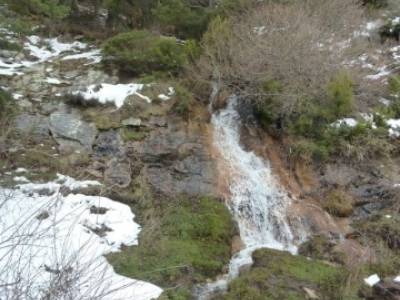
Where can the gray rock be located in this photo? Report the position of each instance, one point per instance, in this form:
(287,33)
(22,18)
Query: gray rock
(35,125)
(157,121)
(8,53)
(24,103)
(71,132)
(108,143)
(118,173)
(177,163)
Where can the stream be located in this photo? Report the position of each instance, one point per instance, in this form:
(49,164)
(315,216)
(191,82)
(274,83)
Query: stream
(257,201)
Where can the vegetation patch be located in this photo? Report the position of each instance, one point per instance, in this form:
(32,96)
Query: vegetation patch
(133,134)
(322,248)
(184,242)
(49,8)
(184,100)
(381,228)
(7,45)
(280,275)
(6,103)
(338,203)
(140,52)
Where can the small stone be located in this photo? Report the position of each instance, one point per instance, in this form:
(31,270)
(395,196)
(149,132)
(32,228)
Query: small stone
(134,122)
(311,294)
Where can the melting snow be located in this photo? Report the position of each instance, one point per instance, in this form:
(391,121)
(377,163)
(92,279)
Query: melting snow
(21,170)
(44,50)
(372,280)
(44,234)
(394,125)
(93,55)
(17,96)
(53,80)
(115,93)
(350,122)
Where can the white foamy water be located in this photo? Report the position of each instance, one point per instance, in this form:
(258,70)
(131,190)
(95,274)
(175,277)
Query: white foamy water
(257,202)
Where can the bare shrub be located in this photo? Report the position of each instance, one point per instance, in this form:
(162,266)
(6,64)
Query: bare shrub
(301,45)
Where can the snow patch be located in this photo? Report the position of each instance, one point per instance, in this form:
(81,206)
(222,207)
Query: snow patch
(94,56)
(372,280)
(349,122)
(53,81)
(44,234)
(394,127)
(114,93)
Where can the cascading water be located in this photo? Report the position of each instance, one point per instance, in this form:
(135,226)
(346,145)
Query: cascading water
(257,202)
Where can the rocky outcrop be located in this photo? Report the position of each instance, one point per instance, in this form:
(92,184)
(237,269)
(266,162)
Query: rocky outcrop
(177,161)
(71,132)
(118,173)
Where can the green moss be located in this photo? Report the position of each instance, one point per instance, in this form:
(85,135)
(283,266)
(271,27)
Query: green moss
(106,122)
(142,52)
(132,134)
(338,203)
(38,160)
(189,242)
(280,275)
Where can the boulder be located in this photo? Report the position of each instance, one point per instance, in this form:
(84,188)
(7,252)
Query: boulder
(36,126)
(71,132)
(134,122)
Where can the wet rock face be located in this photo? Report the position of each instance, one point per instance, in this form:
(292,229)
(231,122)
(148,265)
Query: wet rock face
(71,132)
(176,162)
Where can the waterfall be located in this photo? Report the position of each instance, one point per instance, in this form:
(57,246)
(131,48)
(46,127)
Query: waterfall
(256,200)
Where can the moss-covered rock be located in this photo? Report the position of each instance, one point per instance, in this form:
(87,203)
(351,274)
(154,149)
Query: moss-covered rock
(338,203)
(280,275)
(321,247)
(186,241)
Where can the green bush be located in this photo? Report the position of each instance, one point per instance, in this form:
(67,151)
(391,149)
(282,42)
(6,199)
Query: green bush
(189,243)
(390,30)
(267,109)
(141,52)
(6,103)
(49,8)
(340,95)
(184,20)
(184,99)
